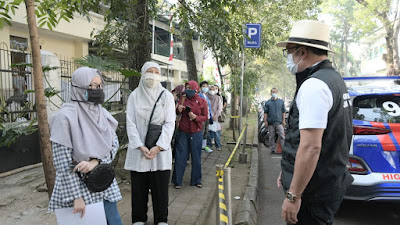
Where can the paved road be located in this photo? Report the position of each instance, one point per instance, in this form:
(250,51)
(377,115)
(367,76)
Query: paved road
(351,212)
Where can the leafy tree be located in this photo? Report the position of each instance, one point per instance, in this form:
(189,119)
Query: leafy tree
(49,13)
(127,36)
(377,13)
(343,32)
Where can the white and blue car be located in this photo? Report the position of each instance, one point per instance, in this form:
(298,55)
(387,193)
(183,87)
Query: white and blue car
(375,152)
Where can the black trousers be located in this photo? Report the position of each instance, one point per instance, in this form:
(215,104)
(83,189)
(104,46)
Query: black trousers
(157,181)
(319,211)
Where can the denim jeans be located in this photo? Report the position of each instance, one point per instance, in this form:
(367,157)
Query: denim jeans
(112,214)
(216,136)
(187,142)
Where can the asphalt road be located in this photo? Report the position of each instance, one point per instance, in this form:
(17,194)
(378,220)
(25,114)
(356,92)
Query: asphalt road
(350,213)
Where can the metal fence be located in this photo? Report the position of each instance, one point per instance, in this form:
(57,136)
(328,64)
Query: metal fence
(17,99)
(115,89)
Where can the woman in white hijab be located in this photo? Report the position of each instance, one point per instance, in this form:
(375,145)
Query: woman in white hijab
(83,132)
(150,168)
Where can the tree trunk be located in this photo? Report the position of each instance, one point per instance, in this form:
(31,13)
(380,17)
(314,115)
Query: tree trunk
(44,132)
(341,70)
(138,49)
(220,72)
(396,61)
(190,58)
(346,49)
(389,49)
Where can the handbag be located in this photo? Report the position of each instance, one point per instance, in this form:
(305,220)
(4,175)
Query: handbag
(99,179)
(153,131)
(222,117)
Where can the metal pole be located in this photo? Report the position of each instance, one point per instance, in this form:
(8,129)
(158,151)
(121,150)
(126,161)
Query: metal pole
(243,154)
(241,95)
(154,31)
(228,193)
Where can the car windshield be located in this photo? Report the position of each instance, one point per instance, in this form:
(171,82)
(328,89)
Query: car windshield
(382,108)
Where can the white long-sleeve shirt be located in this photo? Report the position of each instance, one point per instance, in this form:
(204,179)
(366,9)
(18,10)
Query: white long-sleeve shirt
(137,127)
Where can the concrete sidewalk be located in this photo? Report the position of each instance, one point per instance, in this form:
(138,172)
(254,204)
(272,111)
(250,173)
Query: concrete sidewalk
(21,202)
(189,205)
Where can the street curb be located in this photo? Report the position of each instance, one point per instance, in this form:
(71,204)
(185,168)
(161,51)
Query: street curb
(247,213)
(205,211)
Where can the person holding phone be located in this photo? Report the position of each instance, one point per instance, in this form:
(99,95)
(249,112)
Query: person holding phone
(194,112)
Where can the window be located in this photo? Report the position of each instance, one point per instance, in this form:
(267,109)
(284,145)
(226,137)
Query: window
(383,108)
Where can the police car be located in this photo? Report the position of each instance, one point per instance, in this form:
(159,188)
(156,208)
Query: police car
(375,151)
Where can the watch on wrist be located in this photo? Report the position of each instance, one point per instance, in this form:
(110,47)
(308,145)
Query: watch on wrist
(291,197)
(159,148)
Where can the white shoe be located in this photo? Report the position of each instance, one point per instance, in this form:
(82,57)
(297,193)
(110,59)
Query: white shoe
(139,223)
(162,223)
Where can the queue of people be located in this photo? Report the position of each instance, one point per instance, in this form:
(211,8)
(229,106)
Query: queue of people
(314,176)
(84,142)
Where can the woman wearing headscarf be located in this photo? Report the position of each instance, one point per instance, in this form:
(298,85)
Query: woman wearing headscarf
(214,130)
(83,133)
(150,168)
(194,111)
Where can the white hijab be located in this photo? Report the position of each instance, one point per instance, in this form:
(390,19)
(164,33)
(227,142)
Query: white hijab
(85,127)
(145,98)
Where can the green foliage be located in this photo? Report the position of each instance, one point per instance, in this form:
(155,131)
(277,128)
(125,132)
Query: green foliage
(99,63)
(118,33)
(345,31)
(11,132)
(49,12)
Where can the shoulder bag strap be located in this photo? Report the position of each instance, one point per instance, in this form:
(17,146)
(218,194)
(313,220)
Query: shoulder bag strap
(152,112)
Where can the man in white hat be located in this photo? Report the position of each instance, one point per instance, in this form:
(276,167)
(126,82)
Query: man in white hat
(314,157)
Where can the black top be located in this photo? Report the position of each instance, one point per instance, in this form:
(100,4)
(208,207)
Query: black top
(331,175)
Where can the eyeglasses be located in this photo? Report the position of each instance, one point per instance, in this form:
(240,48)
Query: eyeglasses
(286,51)
(95,86)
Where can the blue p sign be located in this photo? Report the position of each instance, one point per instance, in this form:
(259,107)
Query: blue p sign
(253,38)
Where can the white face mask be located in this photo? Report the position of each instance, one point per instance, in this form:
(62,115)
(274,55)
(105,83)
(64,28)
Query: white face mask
(292,67)
(152,80)
(213,92)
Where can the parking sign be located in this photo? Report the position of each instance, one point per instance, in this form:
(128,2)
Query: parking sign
(253,38)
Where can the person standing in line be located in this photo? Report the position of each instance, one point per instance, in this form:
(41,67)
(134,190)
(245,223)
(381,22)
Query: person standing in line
(203,94)
(82,132)
(194,111)
(150,168)
(316,151)
(274,119)
(214,130)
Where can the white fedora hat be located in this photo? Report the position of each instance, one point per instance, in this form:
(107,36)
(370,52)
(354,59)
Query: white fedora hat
(309,33)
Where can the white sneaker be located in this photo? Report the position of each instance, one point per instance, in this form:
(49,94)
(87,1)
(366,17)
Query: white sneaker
(162,223)
(139,223)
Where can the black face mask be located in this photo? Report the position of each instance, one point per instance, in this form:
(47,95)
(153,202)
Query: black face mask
(95,95)
(190,93)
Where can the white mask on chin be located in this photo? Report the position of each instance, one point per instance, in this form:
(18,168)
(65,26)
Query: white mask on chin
(292,67)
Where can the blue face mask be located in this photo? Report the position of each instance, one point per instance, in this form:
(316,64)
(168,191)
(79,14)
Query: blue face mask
(204,89)
(275,95)
(190,93)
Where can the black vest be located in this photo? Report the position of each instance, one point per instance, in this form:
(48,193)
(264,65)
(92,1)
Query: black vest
(331,174)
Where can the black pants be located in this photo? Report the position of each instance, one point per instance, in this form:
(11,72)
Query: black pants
(158,183)
(319,211)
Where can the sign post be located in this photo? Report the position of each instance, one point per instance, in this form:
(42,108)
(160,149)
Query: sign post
(252,39)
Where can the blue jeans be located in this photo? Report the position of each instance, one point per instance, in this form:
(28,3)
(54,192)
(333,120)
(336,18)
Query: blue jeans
(187,142)
(216,136)
(112,214)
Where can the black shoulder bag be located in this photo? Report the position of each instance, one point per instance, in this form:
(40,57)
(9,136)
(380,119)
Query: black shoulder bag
(99,179)
(154,131)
